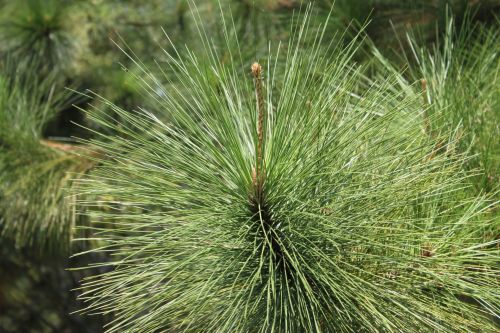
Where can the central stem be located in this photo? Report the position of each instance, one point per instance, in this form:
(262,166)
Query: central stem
(271,237)
(258,177)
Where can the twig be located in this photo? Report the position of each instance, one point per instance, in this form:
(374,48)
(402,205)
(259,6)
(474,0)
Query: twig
(258,177)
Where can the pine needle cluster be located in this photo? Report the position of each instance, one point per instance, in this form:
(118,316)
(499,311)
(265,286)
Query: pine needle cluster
(281,197)
(36,207)
(37,32)
(460,76)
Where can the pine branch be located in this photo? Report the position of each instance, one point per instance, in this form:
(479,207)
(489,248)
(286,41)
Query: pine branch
(345,219)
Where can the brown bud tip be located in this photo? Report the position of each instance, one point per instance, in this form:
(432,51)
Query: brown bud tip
(256,69)
(427,251)
(423,82)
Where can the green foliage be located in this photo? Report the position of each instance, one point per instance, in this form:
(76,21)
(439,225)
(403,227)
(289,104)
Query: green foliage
(34,180)
(392,19)
(38,30)
(461,76)
(345,223)
(360,216)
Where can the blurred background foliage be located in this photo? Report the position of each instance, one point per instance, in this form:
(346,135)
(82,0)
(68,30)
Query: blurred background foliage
(49,45)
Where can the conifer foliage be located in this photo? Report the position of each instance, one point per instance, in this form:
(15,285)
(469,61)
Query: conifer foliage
(279,196)
(37,31)
(36,174)
(459,82)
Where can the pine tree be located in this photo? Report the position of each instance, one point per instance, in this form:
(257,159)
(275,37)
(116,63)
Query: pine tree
(268,176)
(285,198)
